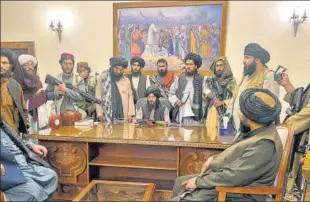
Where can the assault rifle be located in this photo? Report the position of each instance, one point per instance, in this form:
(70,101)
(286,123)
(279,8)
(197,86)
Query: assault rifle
(296,102)
(225,121)
(53,81)
(218,93)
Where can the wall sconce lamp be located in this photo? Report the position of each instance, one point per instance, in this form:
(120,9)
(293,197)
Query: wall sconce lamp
(57,29)
(297,20)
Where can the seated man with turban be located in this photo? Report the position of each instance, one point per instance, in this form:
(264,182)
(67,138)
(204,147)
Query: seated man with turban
(152,107)
(115,92)
(252,160)
(256,74)
(186,93)
(86,82)
(139,82)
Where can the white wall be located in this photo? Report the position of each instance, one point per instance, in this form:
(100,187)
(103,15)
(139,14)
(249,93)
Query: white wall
(90,35)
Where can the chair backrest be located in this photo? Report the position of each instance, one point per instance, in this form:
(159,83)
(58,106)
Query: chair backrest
(286,134)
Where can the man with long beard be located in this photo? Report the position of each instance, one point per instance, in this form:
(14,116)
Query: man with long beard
(152,107)
(34,182)
(223,75)
(163,79)
(26,75)
(187,90)
(115,92)
(252,160)
(139,82)
(64,97)
(13,106)
(256,74)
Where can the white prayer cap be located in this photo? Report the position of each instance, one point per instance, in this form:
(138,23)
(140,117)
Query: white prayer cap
(23,59)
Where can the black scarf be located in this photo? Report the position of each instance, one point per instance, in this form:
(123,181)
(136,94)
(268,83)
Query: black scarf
(197,99)
(117,104)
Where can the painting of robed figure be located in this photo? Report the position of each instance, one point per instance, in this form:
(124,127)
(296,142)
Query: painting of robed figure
(170,30)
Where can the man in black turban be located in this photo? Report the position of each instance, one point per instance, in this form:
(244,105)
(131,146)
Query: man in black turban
(254,55)
(152,107)
(255,75)
(187,90)
(259,107)
(139,82)
(114,89)
(252,160)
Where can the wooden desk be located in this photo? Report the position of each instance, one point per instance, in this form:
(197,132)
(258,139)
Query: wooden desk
(103,190)
(127,153)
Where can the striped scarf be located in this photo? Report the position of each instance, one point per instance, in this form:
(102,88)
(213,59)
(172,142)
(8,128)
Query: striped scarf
(106,96)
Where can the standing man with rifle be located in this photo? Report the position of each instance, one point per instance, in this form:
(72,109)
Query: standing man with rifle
(217,93)
(64,97)
(85,81)
(299,116)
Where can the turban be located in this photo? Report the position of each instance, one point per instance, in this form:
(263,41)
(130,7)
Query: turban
(195,57)
(255,50)
(138,60)
(118,61)
(154,91)
(260,105)
(66,56)
(82,65)
(11,56)
(23,59)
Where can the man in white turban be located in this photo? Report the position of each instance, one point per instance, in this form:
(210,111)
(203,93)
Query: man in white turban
(26,75)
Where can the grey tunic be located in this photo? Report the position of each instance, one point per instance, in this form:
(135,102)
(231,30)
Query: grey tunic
(41,181)
(250,162)
(68,101)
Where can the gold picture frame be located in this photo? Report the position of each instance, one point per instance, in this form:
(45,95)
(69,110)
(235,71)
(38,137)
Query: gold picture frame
(20,47)
(129,18)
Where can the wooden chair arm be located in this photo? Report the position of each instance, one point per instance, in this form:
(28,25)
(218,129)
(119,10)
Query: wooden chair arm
(249,190)
(246,190)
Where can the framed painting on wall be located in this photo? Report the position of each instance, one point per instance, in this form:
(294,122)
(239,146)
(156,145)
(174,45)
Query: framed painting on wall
(20,47)
(170,30)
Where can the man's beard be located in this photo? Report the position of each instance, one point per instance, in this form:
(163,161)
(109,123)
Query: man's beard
(162,72)
(152,105)
(218,73)
(244,128)
(6,74)
(29,75)
(190,73)
(116,77)
(250,69)
(136,73)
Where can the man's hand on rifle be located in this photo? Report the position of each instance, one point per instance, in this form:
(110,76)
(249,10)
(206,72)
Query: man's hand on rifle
(178,103)
(40,149)
(62,89)
(218,103)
